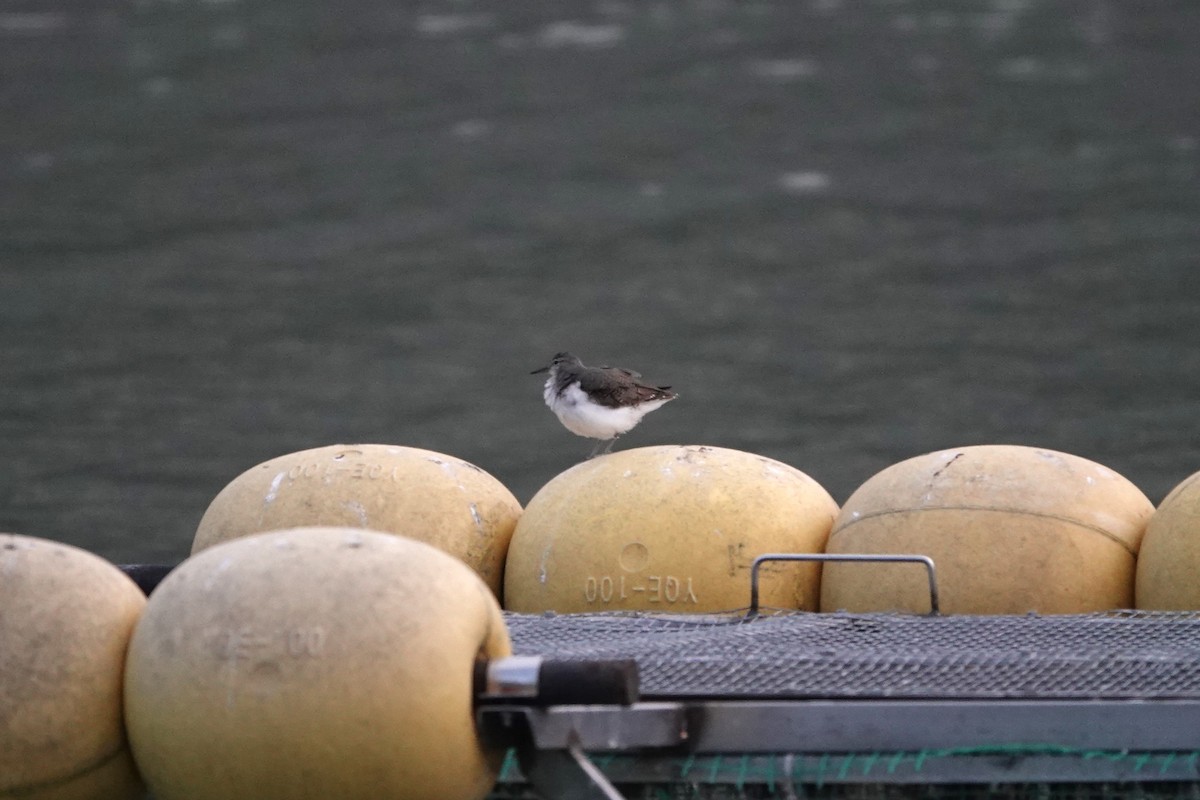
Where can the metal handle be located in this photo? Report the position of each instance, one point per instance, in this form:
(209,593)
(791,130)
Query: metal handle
(889,558)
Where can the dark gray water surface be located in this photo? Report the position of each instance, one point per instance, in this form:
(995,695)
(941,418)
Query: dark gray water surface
(848,232)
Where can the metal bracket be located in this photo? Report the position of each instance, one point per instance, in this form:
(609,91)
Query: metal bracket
(550,741)
(565,773)
(594,727)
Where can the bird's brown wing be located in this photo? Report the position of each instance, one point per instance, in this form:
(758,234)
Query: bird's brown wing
(614,387)
(622,370)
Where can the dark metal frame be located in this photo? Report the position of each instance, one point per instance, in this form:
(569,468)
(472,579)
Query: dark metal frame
(873,741)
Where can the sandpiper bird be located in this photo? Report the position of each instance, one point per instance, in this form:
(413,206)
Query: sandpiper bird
(599,402)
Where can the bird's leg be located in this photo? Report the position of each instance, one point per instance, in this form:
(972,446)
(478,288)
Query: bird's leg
(606,444)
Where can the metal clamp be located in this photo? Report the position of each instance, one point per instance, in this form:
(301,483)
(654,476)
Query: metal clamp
(857,557)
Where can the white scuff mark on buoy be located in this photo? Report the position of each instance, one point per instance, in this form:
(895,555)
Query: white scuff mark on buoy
(273,491)
(475,516)
(773,471)
(855,514)
(542,564)
(212,576)
(451,470)
(627,474)
(358,510)
(1090,481)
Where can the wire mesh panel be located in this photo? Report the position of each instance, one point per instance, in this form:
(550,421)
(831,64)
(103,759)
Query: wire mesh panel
(1119,655)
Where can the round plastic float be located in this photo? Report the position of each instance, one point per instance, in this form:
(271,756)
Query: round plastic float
(310,664)
(672,529)
(1168,570)
(434,498)
(1011,529)
(66,616)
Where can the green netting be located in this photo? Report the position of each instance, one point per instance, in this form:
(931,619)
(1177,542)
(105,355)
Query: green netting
(1031,791)
(1061,774)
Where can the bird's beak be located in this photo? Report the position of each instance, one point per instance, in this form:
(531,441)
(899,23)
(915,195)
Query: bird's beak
(543,369)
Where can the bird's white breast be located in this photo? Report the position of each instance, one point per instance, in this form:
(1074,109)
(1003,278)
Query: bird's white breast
(583,417)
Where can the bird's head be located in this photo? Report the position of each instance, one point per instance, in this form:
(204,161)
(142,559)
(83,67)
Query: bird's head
(560,359)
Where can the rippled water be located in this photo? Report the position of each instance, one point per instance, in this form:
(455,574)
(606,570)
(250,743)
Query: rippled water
(846,232)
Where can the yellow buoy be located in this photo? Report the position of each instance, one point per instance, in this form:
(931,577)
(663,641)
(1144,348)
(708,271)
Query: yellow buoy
(66,616)
(670,528)
(434,498)
(313,663)
(1169,562)
(1011,529)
